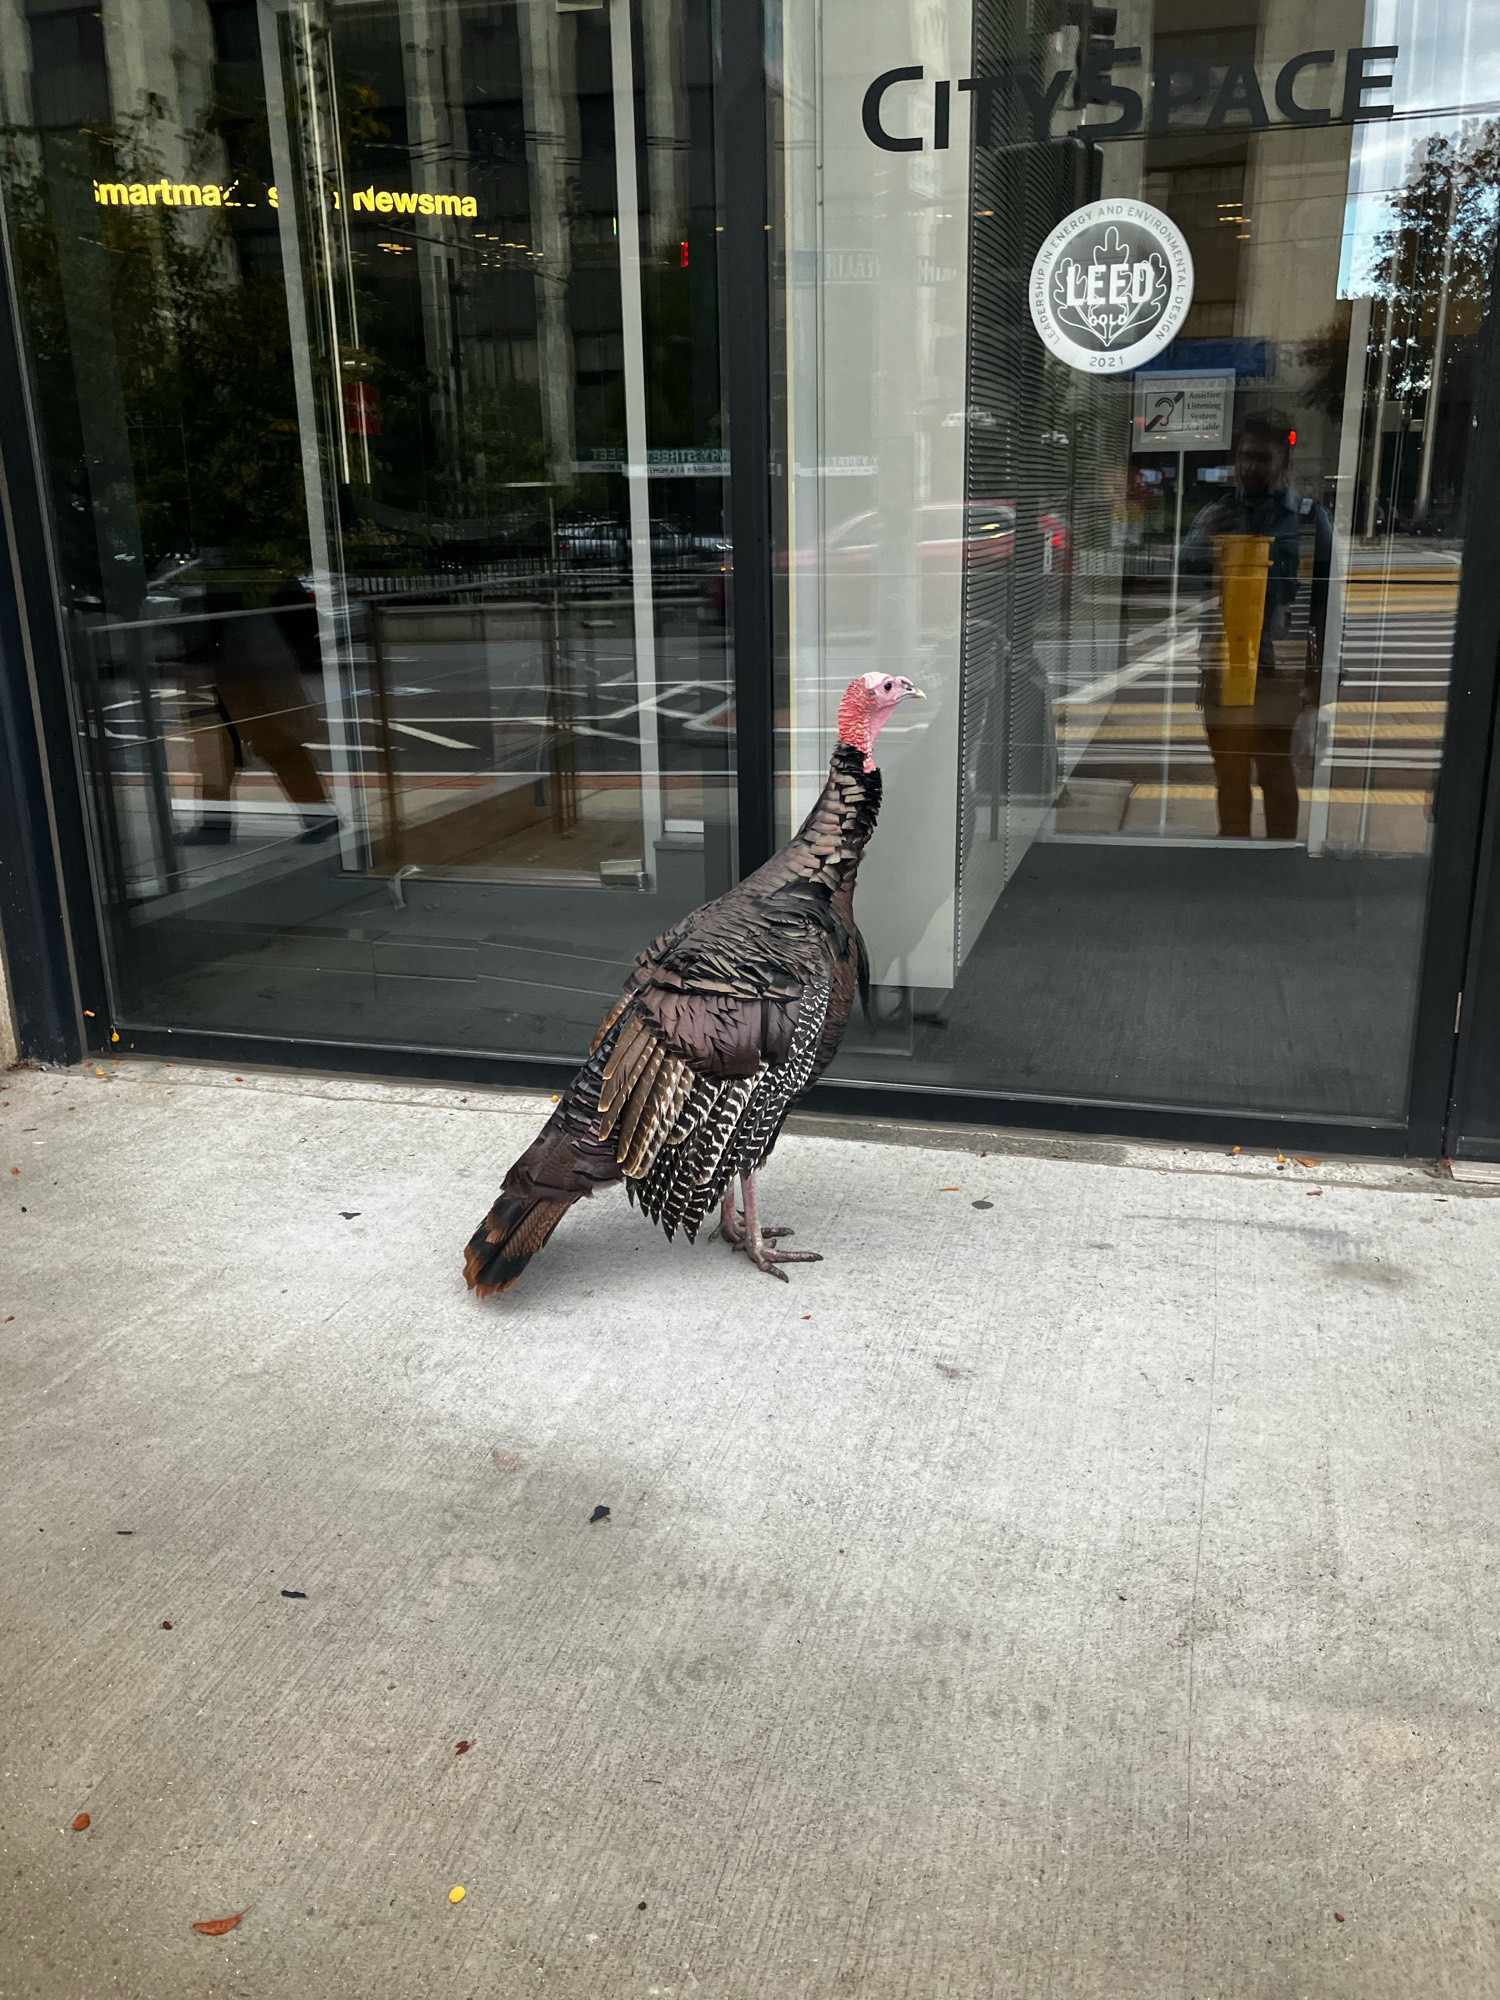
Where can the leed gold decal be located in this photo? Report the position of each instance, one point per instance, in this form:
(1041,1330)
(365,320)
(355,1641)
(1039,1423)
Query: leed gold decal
(209,194)
(1111,286)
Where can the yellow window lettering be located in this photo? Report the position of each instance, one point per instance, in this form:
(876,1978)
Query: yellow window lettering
(469,206)
(113,194)
(383,202)
(213,197)
(138,195)
(364,198)
(406,204)
(185,195)
(424,204)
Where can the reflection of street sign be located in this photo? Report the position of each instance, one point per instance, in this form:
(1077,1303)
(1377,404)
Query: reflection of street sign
(1182,412)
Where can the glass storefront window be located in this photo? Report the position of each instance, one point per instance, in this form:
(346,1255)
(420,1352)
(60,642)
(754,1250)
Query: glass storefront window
(374,358)
(1126,381)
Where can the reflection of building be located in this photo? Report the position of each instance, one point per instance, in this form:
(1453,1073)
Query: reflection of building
(387,496)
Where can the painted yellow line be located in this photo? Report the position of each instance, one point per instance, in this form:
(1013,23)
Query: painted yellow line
(1318,794)
(1143,732)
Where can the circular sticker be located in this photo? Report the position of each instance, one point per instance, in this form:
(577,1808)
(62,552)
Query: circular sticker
(1111,286)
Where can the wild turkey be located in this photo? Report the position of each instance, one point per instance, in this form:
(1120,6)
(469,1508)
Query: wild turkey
(727,1020)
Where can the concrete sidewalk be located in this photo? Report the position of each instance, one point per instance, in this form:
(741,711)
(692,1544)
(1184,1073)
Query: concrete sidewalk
(1090,1596)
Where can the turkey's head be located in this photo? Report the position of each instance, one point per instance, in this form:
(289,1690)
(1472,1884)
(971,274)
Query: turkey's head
(868,705)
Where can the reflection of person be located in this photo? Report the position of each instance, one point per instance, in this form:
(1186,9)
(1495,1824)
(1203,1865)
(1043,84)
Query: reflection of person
(1257,739)
(245,695)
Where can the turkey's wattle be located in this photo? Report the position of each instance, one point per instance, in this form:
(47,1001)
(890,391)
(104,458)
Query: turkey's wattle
(728,1018)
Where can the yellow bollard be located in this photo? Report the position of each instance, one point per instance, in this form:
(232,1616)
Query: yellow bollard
(1241,565)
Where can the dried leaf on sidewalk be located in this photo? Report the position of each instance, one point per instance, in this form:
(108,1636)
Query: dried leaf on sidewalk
(599,1514)
(981,1204)
(220,1926)
(81,1823)
(460,1748)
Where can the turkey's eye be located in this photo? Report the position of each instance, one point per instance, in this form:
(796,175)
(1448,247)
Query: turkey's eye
(887,688)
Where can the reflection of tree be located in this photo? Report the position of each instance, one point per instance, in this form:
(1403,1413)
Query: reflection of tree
(1430,275)
(1326,359)
(200,343)
(1439,239)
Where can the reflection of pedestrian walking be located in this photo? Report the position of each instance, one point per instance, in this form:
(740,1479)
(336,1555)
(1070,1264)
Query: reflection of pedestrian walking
(1254,740)
(245,697)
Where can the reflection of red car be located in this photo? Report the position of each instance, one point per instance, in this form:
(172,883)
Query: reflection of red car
(949,536)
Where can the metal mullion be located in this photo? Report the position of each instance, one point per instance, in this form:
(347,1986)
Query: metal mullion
(1459,879)
(745,320)
(49,909)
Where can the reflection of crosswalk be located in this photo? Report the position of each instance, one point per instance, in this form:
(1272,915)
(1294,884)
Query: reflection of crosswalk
(1382,731)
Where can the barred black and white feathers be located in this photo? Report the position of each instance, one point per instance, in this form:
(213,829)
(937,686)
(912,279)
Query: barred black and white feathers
(727,1020)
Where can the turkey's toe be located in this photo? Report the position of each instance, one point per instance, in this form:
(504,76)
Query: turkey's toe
(764,1258)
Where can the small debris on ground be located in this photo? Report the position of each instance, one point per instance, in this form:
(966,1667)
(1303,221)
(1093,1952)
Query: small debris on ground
(641,1906)
(1312,1191)
(81,1823)
(599,1514)
(124,1531)
(457,1893)
(1337,1918)
(220,1926)
(350,1213)
(950,1190)
(981,1204)
(460,1748)
(166,1624)
(294,1593)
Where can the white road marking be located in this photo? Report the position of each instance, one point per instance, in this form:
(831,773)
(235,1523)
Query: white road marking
(427,736)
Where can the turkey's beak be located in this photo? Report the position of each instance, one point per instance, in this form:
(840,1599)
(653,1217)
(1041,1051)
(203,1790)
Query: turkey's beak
(917,695)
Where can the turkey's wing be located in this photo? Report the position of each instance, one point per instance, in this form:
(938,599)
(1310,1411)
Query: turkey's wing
(713,1009)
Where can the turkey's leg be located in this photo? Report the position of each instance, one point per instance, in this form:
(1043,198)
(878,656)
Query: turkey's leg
(758,1241)
(729,1222)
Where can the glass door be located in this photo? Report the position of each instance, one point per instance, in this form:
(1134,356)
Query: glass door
(1130,367)
(374,354)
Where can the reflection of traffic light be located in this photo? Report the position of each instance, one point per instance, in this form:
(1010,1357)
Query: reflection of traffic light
(1096,48)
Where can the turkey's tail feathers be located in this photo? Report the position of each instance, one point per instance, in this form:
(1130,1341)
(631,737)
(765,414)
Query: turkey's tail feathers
(507,1240)
(564,1162)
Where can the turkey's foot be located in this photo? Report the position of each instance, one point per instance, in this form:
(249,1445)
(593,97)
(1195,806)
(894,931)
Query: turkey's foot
(764,1258)
(758,1241)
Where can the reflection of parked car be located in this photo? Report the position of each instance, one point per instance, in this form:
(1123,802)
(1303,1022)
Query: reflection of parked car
(931,546)
(949,536)
(600,539)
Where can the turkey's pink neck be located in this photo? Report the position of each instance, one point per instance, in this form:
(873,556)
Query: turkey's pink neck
(860,721)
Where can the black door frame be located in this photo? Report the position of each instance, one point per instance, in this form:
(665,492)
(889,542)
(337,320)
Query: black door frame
(1466,804)
(53,924)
